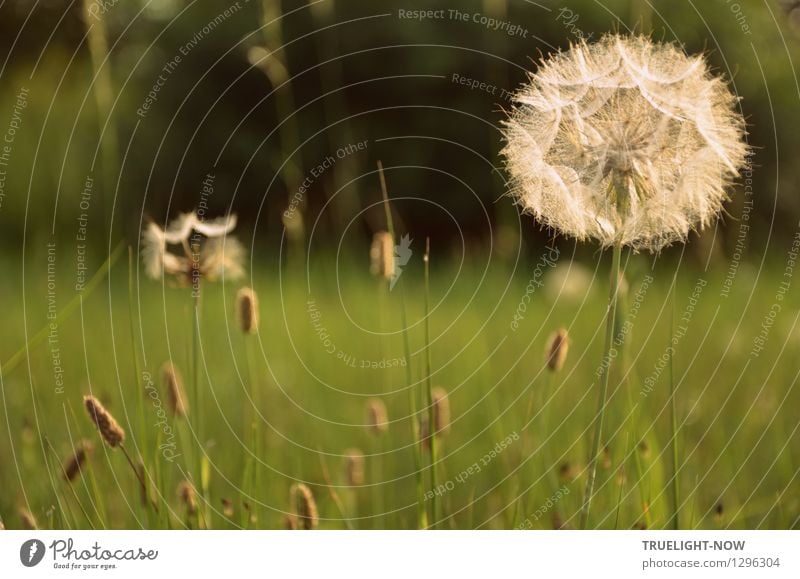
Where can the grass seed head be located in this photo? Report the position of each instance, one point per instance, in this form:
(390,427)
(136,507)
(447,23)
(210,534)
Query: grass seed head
(247,309)
(74,465)
(290,523)
(354,467)
(557,349)
(188,496)
(109,429)
(227,508)
(381,255)
(173,382)
(377,418)
(305,506)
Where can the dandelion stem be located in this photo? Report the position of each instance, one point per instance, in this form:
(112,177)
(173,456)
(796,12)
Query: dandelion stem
(673,483)
(603,395)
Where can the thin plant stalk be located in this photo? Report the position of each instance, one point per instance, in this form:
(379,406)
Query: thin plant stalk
(137,371)
(674,515)
(96,496)
(431,410)
(603,395)
(103,91)
(136,472)
(337,501)
(196,363)
(422,519)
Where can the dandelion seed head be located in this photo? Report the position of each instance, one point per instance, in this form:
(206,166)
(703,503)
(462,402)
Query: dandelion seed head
(205,247)
(625,141)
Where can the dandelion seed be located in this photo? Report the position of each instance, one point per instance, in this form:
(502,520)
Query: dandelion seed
(175,392)
(109,429)
(377,418)
(625,141)
(381,255)
(247,308)
(354,467)
(72,468)
(305,506)
(557,349)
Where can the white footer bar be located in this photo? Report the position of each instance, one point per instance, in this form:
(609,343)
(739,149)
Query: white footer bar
(355,554)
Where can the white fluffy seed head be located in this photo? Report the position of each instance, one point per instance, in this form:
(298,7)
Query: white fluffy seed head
(625,141)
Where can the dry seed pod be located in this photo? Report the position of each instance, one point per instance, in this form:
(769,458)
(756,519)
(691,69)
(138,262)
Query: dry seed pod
(176,395)
(72,468)
(109,429)
(381,255)
(354,467)
(377,419)
(247,309)
(305,506)
(557,349)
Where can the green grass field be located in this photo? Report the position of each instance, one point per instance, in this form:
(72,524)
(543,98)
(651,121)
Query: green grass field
(330,341)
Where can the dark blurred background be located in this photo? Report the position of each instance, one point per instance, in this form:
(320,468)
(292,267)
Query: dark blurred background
(266,91)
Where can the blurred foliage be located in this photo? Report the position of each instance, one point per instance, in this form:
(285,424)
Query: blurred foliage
(359,72)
